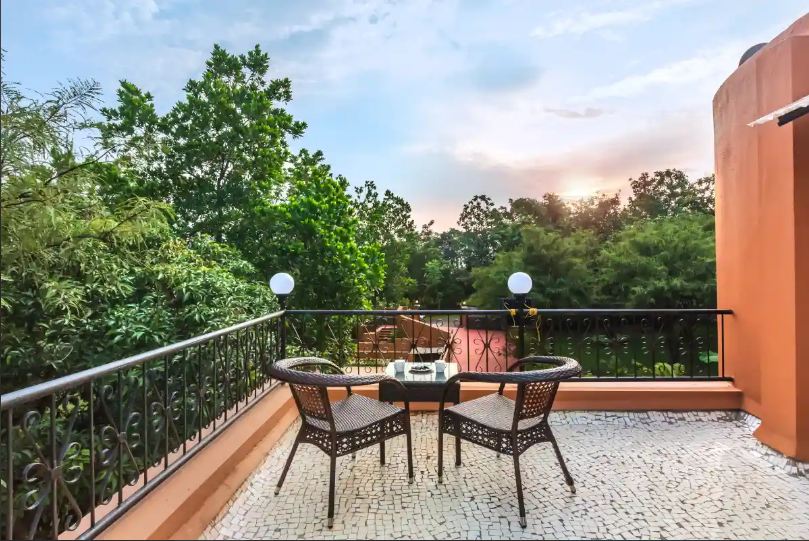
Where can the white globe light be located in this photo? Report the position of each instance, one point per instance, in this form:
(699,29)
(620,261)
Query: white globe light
(282,283)
(519,283)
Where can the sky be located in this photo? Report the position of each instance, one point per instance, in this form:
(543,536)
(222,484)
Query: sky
(436,100)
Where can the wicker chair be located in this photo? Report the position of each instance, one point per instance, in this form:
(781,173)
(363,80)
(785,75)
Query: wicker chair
(345,426)
(504,425)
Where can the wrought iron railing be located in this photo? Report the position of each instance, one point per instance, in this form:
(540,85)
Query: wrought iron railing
(619,344)
(80,450)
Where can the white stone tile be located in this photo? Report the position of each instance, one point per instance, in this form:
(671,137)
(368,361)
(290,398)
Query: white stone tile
(638,474)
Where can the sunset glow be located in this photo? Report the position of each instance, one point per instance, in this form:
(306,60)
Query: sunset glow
(579,189)
(521,99)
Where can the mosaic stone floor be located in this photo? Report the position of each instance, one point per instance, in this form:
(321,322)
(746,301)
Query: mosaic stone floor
(638,475)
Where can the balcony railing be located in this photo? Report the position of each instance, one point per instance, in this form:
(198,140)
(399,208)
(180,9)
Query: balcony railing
(80,450)
(620,344)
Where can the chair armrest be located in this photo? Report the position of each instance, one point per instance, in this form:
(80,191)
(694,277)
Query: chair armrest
(287,370)
(294,363)
(564,368)
(491,377)
(555,360)
(541,359)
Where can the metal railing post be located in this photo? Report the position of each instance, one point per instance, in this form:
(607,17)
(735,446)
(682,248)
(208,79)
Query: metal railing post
(282,327)
(521,326)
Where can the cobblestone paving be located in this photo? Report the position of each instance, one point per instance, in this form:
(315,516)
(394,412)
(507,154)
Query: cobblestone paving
(638,475)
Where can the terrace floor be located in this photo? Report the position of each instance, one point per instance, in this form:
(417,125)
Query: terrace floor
(638,475)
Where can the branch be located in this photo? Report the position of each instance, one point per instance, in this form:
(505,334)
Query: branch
(17,203)
(94,160)
(100,236)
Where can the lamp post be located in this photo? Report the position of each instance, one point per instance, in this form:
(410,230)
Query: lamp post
(282,285)
(520,284)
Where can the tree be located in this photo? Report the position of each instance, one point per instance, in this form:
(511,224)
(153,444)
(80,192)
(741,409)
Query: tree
(313,233)
(669,192)
(602,214)
(557,263)
(387,222)
(662,263)
(486,230)
(84,282)
(216,152)
(550,212)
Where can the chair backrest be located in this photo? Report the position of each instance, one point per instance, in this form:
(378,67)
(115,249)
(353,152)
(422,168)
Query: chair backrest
(312,401)
(536,389)
(309,379)
(535,399)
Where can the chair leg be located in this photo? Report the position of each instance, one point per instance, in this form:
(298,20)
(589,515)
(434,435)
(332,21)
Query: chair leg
(382,447)
(409,451)
(523,521)
(332,468)
(568,477)
(289,462)
(440,450)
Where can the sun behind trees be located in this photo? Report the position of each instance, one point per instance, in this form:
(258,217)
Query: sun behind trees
(169,225)
(654,251)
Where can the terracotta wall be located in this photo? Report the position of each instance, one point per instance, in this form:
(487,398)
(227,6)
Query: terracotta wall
(762,233)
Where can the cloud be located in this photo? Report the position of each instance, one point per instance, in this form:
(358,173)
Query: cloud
(582,21)
(588,112)
(709,66)
(438,100)
(677,139)
(99,20)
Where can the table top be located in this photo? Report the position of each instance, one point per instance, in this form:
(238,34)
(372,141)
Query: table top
(428,378)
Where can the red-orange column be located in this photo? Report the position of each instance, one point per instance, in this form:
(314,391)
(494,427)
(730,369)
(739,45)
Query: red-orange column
(762,233)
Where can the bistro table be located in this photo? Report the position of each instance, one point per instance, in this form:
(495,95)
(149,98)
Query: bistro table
(426,387)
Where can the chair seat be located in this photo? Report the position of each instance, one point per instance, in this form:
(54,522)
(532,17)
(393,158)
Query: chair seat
(494,411)
(356,412)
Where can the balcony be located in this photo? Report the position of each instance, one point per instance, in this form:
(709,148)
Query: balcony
(156,445)
(639,475)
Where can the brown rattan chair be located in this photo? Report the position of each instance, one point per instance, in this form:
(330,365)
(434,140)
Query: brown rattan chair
(505,425)
(345,426)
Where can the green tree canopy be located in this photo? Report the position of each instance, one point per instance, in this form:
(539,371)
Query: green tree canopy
(387,222)
(661,263)
(217,151)
(313,233)
(551,211)
(602,214)
(557,263)
(85,282)
(669,192)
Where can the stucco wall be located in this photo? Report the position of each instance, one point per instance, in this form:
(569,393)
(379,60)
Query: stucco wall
(762,217)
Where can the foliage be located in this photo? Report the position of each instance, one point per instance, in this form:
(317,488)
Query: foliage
(220,157)
(485,231)
(439,270)
(668,193)
(388,223)
(83,281)
(558,264)
(662,263)
(601,214)
(550,212)
(215,153)
(314,233)
(557,243)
